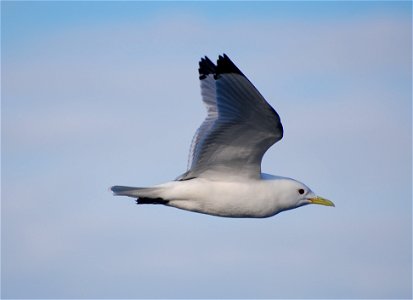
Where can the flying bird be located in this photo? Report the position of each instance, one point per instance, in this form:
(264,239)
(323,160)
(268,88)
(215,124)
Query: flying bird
(224,171)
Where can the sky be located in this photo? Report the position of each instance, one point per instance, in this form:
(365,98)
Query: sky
(95,94)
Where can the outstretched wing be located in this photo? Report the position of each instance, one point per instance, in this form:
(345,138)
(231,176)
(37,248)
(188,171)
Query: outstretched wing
(207,70)
(239,128)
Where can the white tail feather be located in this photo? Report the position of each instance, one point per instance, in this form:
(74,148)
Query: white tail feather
(136,192)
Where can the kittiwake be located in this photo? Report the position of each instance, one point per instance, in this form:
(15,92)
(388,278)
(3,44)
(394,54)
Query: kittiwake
(224,172)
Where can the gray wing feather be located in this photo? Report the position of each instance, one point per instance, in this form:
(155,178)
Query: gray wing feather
(209,98)
(240,127)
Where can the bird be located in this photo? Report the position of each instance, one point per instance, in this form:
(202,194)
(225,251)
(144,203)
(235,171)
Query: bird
(224,175)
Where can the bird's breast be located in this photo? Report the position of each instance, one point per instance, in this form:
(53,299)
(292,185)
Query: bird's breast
(229,199)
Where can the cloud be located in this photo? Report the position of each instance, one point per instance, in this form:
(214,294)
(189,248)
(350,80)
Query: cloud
(88,106)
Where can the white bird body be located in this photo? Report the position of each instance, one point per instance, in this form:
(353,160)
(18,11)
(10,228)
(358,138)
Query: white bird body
(256,198)
(224,175)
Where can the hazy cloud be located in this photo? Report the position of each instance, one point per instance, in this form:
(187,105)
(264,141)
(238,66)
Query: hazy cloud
(92,104)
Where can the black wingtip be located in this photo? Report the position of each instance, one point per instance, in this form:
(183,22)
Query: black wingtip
(206,67)
(225,66)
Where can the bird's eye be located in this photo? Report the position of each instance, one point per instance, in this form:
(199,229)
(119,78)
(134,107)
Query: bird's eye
(301,191)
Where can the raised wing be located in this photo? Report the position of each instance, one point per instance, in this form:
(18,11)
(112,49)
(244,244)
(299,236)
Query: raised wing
(207,71)
(239,128)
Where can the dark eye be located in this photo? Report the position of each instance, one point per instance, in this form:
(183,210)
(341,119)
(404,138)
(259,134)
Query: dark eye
(301,191)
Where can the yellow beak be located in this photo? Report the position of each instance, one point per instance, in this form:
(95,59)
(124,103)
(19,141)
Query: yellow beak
(321,201)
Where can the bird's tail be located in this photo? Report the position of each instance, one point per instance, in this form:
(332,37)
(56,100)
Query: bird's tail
(144,195)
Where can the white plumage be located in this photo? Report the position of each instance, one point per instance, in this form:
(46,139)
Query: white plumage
(224,170)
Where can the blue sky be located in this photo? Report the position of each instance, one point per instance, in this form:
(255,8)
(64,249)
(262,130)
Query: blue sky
(102,93)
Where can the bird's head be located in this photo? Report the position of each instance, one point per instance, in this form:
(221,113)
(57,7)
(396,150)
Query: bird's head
(294,194)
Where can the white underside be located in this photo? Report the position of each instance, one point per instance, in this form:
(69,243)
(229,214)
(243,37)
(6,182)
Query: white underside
(249,198)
